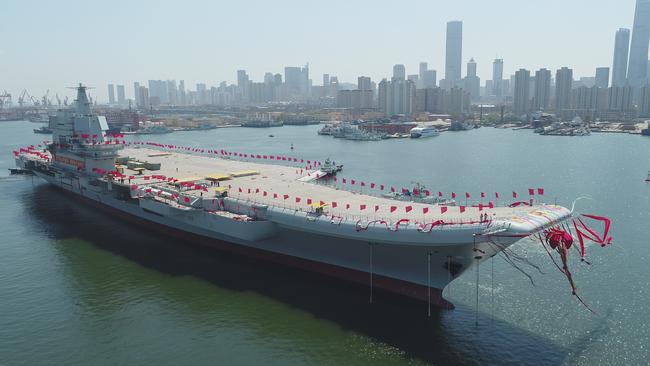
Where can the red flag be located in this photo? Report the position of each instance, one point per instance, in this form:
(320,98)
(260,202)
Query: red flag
(362,207)
(453,194)
(376,208)
(462,209)
(265,194)
(347,206)
(427,193)
(480,207)
(439,194)
(372,185)
(275,195)
(309,201)
(425,210)
(392,189)
(352,181)
(393,208)
(496,194)
(482,194)
(297,199)
(443,209)
(286,196)
(491,205)
(531,191)
(257,190)
(363,184)
(381,187)
(467,195)
(335,180)
(186,199)
(514,194)
(240,190)
(334,204)
(343,180)
(409,208)
(540,191)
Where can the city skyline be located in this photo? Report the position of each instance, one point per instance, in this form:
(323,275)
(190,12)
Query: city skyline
(175,59)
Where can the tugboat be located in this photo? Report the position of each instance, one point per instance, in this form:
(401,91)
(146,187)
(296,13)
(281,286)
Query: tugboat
(648,178)
(44,130)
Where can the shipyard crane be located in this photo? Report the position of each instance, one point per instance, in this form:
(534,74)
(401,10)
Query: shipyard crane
(58,100)
(25,97)
(45,100)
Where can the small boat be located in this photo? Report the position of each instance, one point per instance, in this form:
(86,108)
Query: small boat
(648,178)
(271,136)
(44,129)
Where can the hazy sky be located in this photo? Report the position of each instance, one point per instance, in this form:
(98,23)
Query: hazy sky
(53,44)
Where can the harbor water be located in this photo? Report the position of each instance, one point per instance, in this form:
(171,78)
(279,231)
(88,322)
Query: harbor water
(80,287)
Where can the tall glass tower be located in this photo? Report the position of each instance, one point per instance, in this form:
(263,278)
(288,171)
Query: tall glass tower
(638,65)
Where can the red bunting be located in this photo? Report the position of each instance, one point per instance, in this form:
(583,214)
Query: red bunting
(393,208)
(409,208)
(425,210)
(443,209)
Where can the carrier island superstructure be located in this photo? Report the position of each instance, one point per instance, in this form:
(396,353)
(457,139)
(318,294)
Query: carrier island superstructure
(252,208)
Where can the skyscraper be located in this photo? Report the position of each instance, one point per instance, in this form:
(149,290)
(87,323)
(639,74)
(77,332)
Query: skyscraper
(522,90)
(136,94)
(454,55)
(472,81)
(621,47)
(399,72)
(111,94)
(602,77)
(638,66)
(563,84)
(497,77)
(121,99)
(423,70)
(542,95)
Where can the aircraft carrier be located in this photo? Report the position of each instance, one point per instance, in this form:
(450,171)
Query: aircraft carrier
(268,210)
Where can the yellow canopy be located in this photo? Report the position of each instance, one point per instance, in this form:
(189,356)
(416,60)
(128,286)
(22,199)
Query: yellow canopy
(220,190)
(244,173)
(218,176)
(319,205)
(188,180)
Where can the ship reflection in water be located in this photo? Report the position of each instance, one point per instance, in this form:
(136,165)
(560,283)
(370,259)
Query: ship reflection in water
(447,337)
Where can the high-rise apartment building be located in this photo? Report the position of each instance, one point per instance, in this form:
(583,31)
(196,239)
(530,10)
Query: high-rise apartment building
(563,84)
(602,77)
(111,94)
(399,72)
(121,98)
(521,92)
(472,84)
